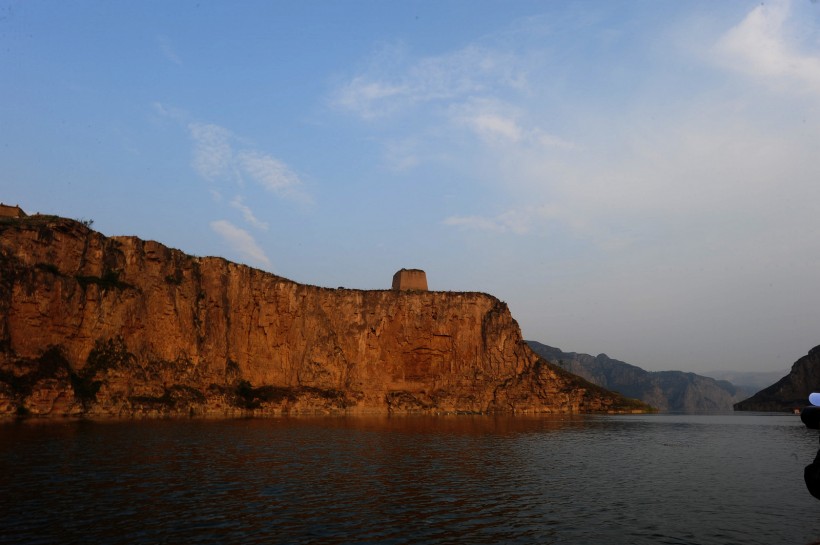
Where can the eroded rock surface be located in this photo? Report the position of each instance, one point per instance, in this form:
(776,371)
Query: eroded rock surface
(99,326)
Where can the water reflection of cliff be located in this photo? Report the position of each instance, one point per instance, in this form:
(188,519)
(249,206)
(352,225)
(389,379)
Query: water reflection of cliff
(639,479)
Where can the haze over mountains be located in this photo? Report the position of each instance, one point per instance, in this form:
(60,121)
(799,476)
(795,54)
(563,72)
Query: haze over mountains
(790,392)
(674,391)
(750,381)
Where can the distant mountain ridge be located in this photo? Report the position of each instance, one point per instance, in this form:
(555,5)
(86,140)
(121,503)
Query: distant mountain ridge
(750,381)
(673,391)
(791,391)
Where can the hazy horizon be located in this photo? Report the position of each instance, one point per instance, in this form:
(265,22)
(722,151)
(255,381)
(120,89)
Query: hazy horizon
(632,178)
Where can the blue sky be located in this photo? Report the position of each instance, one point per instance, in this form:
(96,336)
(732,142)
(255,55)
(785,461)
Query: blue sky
(635,178)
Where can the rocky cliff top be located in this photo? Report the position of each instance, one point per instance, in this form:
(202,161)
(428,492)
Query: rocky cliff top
(118,326)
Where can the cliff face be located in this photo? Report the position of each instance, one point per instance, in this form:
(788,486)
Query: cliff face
(665,390)
(120,326)
(790,392)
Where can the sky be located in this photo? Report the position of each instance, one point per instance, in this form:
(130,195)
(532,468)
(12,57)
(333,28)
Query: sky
(637,178)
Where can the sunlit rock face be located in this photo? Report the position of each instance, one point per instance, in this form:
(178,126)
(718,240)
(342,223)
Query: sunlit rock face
(790,392)
(98,326)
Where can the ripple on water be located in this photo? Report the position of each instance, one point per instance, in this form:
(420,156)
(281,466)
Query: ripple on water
(644,479)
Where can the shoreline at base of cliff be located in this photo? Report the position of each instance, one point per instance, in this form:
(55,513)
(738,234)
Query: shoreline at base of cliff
(116,326)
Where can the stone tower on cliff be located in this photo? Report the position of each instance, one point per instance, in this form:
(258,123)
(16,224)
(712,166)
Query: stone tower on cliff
(410,279)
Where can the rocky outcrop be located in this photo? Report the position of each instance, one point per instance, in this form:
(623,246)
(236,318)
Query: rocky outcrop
(790,392)
(91,325)
(673,391)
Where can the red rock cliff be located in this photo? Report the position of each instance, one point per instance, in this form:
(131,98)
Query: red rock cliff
(120,327)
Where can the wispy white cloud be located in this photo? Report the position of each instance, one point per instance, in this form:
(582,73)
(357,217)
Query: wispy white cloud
(494,126)
(473,88)
(652,182)
(512,221)
(393,84)
(168,50)
(367,98)
(220,156)
(401,155)
(710,168)
(716,158)
(248,214)
(477,223)
(272,174)
(519,221)
(762,46)
(540,220)
(241,241)
(497,122)
(229,162)
(213,153)
(164,110)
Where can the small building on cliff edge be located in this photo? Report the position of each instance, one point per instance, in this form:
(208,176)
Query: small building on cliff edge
(15,211)
(410,279)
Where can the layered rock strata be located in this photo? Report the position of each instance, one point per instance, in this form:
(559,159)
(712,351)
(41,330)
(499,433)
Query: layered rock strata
(98,326)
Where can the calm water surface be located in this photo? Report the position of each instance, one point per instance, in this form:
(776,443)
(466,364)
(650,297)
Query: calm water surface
(700,479)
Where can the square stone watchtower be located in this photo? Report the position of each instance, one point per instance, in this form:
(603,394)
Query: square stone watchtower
(410,279)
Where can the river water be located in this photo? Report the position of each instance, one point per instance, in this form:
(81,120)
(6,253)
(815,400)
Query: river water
(700,479)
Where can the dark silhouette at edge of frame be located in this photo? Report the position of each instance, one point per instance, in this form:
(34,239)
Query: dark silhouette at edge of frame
(811,418)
